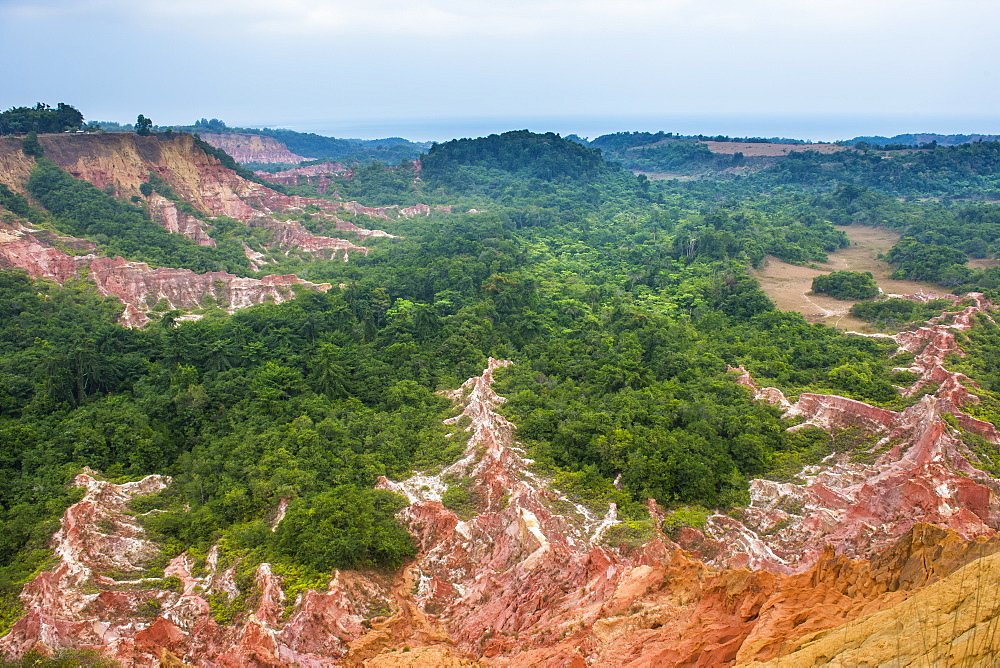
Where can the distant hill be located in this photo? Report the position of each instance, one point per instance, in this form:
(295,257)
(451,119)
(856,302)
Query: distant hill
(289,146)
(309,145)
(253,148)
(924,138)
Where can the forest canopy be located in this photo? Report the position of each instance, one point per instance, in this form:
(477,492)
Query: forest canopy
(40,118)
(846,285)
(622,301)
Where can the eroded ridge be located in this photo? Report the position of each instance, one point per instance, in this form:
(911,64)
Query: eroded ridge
(515,573)
(139,286)
(517,582)
(922,470)
(101,595)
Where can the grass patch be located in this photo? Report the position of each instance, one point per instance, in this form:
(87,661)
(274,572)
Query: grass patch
(460,497)
(629,534)
(686,516)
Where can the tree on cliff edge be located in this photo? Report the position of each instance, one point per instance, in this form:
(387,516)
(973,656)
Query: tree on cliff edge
(142,125)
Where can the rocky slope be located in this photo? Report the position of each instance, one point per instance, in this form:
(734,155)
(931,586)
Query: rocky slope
(137,285)
(320,175)
(863,562)
(122,162)
(252,148)
(923,471)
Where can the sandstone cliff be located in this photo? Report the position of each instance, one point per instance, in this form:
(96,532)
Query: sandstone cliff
(124,161)
(252,148)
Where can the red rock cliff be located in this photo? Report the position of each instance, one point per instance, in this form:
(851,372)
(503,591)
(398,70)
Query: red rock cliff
(529,578)
(138,285)
(125,161)
(252,148)
(516,583)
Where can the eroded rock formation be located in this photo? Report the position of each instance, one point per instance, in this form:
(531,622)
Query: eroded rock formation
(838,569)
(124,161)
(252,148)
(320,175)
(99,597)
(139,286)
(921,470)
(173,220)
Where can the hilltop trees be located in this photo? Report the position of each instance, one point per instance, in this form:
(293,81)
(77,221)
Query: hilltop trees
(142,125)
(40,118)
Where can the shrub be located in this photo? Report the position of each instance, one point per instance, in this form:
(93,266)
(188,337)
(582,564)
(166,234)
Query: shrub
(846,285)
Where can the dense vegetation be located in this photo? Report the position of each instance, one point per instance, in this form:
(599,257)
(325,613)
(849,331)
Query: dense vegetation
(40,118)
(896,313)
(846,285)
(120,228)
(622,302)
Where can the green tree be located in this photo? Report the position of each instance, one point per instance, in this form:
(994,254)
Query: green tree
(30,145)
(143,125)
(846,285)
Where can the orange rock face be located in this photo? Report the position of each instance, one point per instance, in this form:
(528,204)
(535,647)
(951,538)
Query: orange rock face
(529,578)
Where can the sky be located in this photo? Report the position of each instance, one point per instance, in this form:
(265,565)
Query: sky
(436,69)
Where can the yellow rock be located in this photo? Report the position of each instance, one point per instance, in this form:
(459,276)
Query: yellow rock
(953,622)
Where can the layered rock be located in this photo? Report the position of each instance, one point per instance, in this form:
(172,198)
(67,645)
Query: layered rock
(99,597)
(140,286)
(494,578)
(320,176)
(21,249)
(124,161)
(950,623)
(166,213)
(252,148)
(921,470)
(836,570)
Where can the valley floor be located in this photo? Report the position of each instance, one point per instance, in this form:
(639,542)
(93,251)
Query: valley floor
(790,285)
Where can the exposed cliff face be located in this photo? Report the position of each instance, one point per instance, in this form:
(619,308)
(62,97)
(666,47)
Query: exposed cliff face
(252,148)
(98,597)
(138,285)
(922,472)
(320,175)
(950,623)
(125,161)
(904,542)
(171,219)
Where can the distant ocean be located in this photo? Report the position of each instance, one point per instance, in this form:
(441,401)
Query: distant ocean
(804,126)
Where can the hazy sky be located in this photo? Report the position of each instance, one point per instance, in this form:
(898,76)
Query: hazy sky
(819,69)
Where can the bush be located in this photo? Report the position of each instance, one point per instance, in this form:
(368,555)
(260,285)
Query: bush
(688,516)
(346,528)
(846,285)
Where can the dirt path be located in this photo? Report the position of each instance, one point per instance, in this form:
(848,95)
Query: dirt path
(790,286)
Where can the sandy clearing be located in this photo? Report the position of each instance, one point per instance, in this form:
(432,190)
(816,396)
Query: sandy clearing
(754,149)
(790,285)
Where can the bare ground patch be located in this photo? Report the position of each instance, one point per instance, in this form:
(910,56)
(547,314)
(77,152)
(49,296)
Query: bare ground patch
(763,149)
(790,286)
